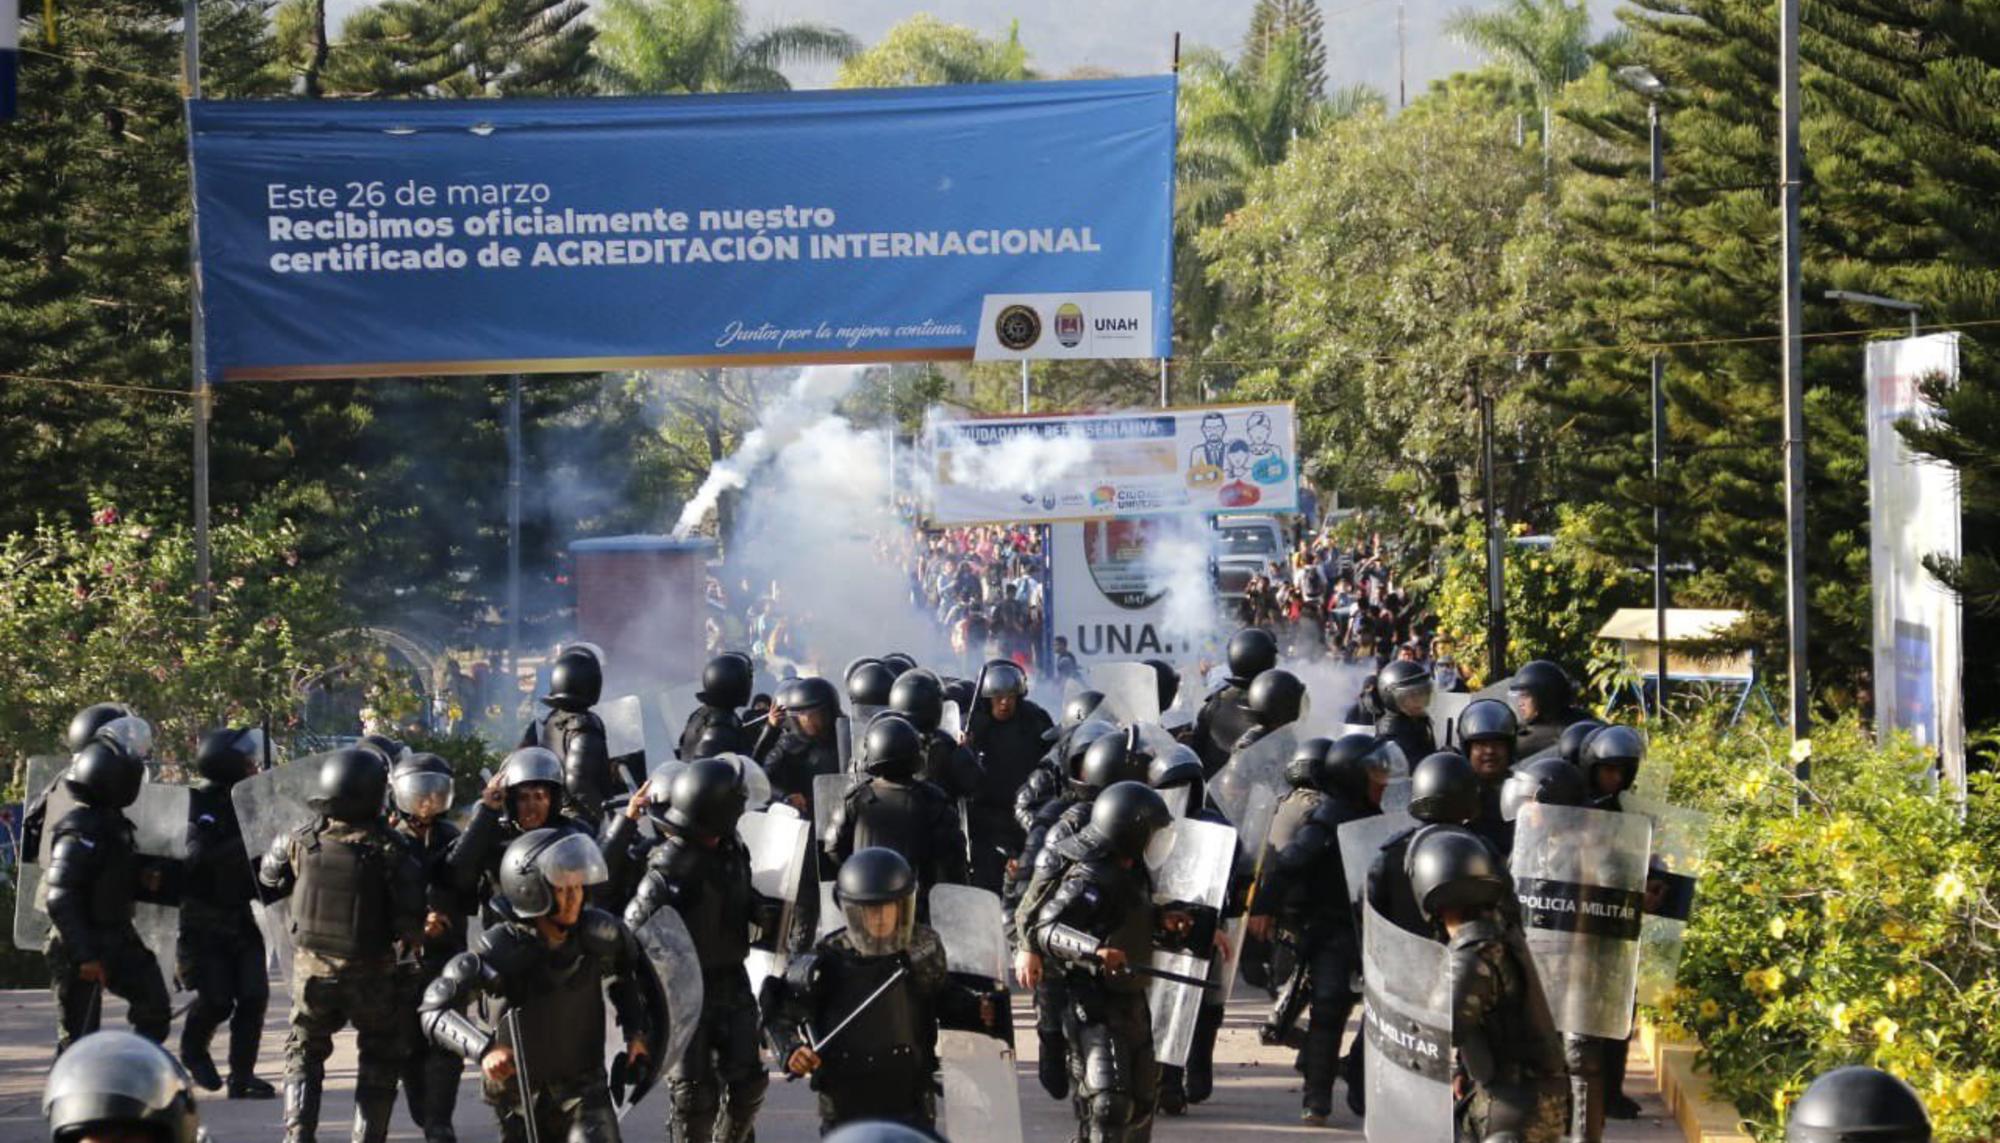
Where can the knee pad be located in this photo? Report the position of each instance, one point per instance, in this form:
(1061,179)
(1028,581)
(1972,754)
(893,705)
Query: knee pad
(693,1098)
(1104,1069)
(1110,1110)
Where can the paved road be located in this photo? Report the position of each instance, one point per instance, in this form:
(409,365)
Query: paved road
(1257,1093)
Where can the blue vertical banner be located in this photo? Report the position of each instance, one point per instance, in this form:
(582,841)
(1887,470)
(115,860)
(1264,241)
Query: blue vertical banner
(1000,221)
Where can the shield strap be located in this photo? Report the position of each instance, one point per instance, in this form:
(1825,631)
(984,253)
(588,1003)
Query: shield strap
(1569,907)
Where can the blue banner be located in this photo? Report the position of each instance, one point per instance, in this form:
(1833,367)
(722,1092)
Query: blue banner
(390,238)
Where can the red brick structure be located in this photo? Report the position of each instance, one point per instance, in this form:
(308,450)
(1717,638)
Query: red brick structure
(640,598)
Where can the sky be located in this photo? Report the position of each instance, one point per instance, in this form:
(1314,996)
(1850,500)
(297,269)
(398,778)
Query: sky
(1132,37)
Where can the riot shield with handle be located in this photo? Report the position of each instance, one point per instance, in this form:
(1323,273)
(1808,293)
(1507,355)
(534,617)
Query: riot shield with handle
(1261,767)
(267,805)
(1581,877)
(31,919)
(670,989)
(1680,850)
(777,845)
(1361,840)
(982,1100)
(625,739)
(1189,862)
(1406,1016)
(677,705)
(969,922)
(1253,833)
(1131,692)
(159,817)
(1446,706)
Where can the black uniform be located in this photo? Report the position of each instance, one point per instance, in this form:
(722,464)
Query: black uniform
(915,819)
(1506,1041)
(220,951)
(430,1075)
(724,722)
(95,877)
(472,865)
(1221,723)
(577,737)
(719,1085)
(949,766)
(792,760)
(554,998)
(1008,753)
(1412,735)
(355,891)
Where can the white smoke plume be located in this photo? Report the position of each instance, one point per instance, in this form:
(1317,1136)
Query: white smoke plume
(818,389)
(1025,464)
(1178,561)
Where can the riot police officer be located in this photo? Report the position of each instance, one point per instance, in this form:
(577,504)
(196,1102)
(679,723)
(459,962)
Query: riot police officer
(701,871)
(420,788)
(549,963)
(574,733)
(1489,733)
(1545,700)
(1098,924)
(1508,1051)
(1570,743)
(1005,732)
(220,950)
(526,795)
(83,726)
(1444,794)
(1404,689)
(882,982)
(1051,770)
(114,1086)
(725,689)
(1858,1102)
(896,810)
(95,877)
(798,743)
(919,696)
(1294,893)
(1226,714)
(869,682)
(1276,698)
(1610,764)
(356,892)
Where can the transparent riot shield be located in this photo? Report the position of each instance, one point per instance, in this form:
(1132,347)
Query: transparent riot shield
(830,917)
(1673,876)
(671,957)
(31,918)
(971,924)
(267,805)
(1253,833)
(952,723)
(1446,706)
(843,742)
(1131,692)
(756,783)
(829,790)
(1262,767)
(1361,840)
(1189,862)
(624,736)
(1406,1015)
(1581,877)
(982,1101)
(677,706)
(777,845)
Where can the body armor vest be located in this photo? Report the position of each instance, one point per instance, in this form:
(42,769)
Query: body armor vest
(340,907)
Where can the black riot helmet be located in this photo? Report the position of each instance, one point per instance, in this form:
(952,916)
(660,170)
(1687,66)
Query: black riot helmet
(532,764)
(1550,781)
(706,798)
(1168,681)
(869,682)
(1540,691)
(1111,759)
(1002,678)
(1571,741)
(716,740)
(919,697)
(1081,739)
(1277,698)
(228,755)
(1178,775)
(726,681)
(1444,790)
(1485,720)
(1125,817)
(1858,1104)
(91,719)
(815,693)
(541,861)
(900,662)
(352,784)
(961,691)
(1348,764)
(1302,772)
(1080,706)
(576,680)
(1454,869)
(1617,748)
(112,1082)
(105,776)
(383,747)
(1404,688)
(872,877)
(892,748)
(1252,651)
(420,785)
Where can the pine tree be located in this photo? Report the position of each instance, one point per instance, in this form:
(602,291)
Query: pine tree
(1273,21)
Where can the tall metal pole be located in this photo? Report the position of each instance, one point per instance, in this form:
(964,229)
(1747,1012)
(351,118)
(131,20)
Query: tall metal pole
(514,525)
(1496,596)
(1164,402)
(1794,376)
(1024,384)
(1402,60)
(198,325)
(1659,174)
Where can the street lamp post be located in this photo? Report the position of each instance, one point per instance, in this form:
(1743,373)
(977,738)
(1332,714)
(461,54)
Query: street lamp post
(1912,308)
(1649,85)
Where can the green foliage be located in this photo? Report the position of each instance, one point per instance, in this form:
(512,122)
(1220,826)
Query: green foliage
(1295,27)
(108,611)
(1855,928)
(472,762)
(1557,598)
(924,51)
(687,46)
(1546,42)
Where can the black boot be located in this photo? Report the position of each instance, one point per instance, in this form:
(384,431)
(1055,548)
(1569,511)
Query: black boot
(373,1108)
(243,1085)
(441,1072)
(1053,1066)
(301,1110)
(196,1034)
(1618,1105)
(1173,1095)
(1200,1079)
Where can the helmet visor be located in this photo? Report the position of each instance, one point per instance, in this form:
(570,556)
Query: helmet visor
(574,862)
(424,794)
(880,928)
(131,734)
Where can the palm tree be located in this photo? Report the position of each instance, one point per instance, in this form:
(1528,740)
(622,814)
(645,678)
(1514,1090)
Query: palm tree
(687,46)
(1546,42)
